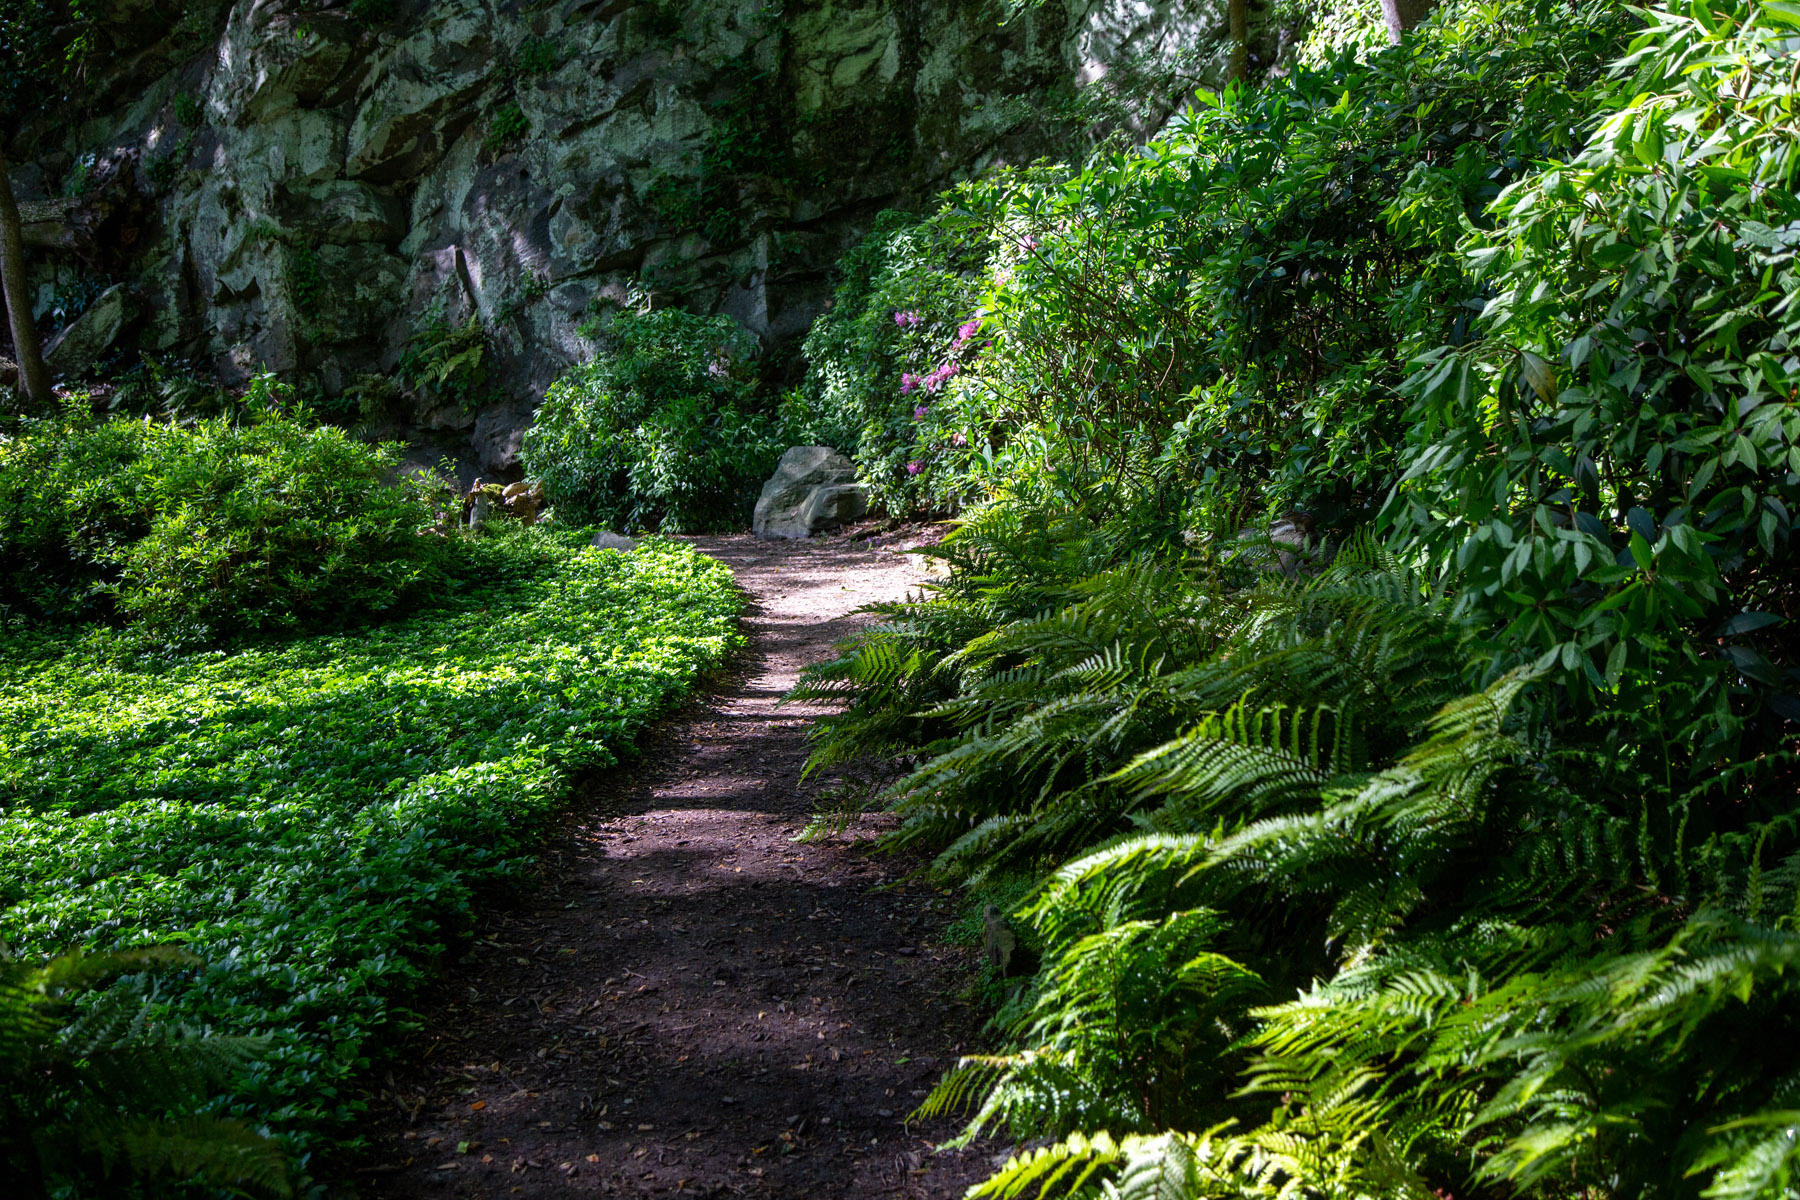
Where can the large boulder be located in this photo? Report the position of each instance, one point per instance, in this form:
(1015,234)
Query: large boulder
(499,433)
(813,489)
(89,336)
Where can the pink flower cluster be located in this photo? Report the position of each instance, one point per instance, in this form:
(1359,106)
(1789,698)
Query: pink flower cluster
(914,467)
(939,377)
(965,331)
(907,319)
(910,383)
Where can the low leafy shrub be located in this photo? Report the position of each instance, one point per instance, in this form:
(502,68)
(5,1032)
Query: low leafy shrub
(213,528)
(661,431)
(309,818)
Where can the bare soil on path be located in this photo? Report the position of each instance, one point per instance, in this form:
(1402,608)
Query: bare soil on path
(690,1002)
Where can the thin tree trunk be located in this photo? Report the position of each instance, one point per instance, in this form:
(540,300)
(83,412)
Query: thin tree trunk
(34,381)
(1402,15)
(1238,13)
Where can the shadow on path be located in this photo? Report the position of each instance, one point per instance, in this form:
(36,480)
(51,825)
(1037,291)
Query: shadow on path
(694,1003)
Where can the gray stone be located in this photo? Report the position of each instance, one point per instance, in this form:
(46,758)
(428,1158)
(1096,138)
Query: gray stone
(499,432)
(89,336)
(449,416)
(271,61)
(344,211)
(1283,548)
(523,501)
(814,488)
(572,297)
(833,505)
(607,540)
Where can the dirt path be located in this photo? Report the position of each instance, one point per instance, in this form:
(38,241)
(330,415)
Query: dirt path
(693,1003)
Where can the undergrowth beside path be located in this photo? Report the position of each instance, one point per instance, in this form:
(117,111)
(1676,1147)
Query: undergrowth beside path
(310,817)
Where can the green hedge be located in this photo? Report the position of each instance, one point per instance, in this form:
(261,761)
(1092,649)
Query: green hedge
(659,431)
(310,818)
(260,523)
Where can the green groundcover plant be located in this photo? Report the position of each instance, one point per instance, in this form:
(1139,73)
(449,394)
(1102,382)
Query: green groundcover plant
(309,818)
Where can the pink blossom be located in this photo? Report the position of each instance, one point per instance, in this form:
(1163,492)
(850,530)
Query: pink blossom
(907,319)
(966,330)
(908,382)
(919,412)
(959,440)
(1030,242)
(914,467)
(937,378)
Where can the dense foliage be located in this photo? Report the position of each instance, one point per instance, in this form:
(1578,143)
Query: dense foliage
(660,431)
(1612,465)
(1500,945)
(1365,667)
(96,1100)
(879,358)
(309,817)
(1373,629)
(1213,328)
(219,527)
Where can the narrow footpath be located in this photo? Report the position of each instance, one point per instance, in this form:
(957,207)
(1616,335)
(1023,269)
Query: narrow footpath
(690,1002)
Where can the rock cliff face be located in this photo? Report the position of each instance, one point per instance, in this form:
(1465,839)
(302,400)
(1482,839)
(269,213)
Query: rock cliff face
(323,184)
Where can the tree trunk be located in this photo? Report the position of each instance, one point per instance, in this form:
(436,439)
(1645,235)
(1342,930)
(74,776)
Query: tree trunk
(1238,13)
(1402,15)
(34,381)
